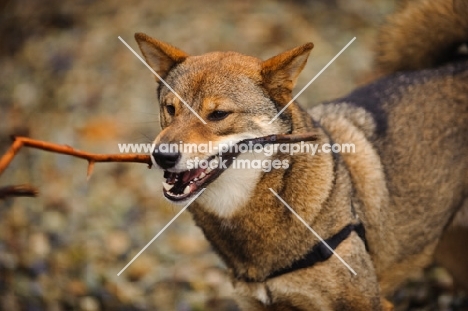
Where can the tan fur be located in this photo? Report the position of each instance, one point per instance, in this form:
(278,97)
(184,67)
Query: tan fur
(422,34)
(405,182)
(451,251)
(346,126)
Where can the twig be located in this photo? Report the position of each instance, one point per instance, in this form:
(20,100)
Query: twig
(92,158)
(64,149)
(281,139)
(18,191)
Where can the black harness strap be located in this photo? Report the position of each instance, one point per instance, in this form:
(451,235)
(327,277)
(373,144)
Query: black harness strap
(320,252)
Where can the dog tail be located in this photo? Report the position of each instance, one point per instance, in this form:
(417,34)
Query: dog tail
(423,34)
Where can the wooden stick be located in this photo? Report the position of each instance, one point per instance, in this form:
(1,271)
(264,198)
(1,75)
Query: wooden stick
(64,149)
(281,139)
(18,191)
(92,158)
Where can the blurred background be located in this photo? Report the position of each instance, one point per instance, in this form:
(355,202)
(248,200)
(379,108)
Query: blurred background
(66,78)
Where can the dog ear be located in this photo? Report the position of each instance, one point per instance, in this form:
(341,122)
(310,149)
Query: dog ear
(159,55)
(280,72)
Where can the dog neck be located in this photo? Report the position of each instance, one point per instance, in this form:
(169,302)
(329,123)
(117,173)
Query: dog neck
(263,235)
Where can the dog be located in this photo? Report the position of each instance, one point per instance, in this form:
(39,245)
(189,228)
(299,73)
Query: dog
(387,210)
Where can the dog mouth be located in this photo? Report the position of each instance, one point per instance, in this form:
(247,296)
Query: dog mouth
(180,186)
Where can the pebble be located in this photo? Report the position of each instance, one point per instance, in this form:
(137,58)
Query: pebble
(117,242)
(39,244)
(89,303)
(143,266)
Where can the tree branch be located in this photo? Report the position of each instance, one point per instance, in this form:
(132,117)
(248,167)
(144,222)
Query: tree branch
(64,149)
(92,158)
(18,191)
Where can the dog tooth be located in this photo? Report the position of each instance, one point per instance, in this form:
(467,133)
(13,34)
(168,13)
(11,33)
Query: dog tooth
(195,179)
(201,175)
(187,190)
(167,187)
(208,170)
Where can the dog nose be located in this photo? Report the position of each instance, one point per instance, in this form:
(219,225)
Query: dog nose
(166,159)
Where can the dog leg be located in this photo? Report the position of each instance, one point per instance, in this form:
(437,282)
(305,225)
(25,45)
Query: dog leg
(451,251)
(327,286)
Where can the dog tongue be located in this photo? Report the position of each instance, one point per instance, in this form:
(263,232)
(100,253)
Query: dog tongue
(191,174)
(183,179)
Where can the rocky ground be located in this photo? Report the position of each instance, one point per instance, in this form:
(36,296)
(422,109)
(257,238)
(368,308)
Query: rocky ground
(65,77)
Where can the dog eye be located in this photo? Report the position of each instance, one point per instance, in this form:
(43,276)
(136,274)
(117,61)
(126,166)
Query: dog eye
(170,109)
(218,115)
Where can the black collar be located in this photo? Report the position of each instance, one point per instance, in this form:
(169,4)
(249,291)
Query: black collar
(319,252)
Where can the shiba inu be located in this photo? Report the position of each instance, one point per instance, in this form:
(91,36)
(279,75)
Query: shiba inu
(387,209)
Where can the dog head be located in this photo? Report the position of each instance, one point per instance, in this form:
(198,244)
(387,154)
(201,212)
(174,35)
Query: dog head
(219,97)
